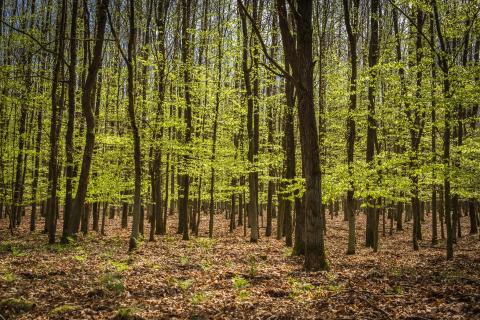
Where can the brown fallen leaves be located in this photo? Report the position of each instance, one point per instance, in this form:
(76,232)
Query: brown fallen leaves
(230,278)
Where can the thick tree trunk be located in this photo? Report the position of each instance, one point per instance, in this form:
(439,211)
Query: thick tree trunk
(300,58)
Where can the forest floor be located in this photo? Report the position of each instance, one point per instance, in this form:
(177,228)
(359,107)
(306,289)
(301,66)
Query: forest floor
(231,278)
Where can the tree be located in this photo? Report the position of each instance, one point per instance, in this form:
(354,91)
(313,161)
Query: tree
(69,145)
(252,117)
(133,123)
(186,60)
(373,53)
(299,55)
(88,93)
(51,221)
(351,17)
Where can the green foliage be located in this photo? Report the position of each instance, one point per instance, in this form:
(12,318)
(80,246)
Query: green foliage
(205,243)
(17,252)
(206,264)
(398,290)
(5,246)
(112,282)
(396,272)
(184,260)
(243,294)
(154,266)
(302,289)
(199,298)
(9,277)
(119,266)
(62,309)
(252,266)
(127,313)
(10,247)
(287,252)
(239,282)
(184,284)
(17,305)
(80,255)
(168,239)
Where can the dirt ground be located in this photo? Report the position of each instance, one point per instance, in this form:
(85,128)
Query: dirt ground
(230,278)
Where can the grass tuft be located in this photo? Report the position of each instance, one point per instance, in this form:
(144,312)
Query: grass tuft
(17,305)
(127,313)
(66,308)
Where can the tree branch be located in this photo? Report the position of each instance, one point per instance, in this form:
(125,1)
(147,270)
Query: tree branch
(41,45)
(282,70)
(117,41)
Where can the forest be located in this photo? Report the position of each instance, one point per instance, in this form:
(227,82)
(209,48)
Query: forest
(239,159)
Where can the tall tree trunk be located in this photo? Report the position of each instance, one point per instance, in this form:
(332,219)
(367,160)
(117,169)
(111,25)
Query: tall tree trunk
(251,92)
(51,220)
(434,138)
(417,121)
(87,108)
(185,177)
(300,58)
(444,65)
(271,132)
(351,16)
(69,145)
(133,124)
(373,52)
(157,214)
(215,121)
(289,136)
